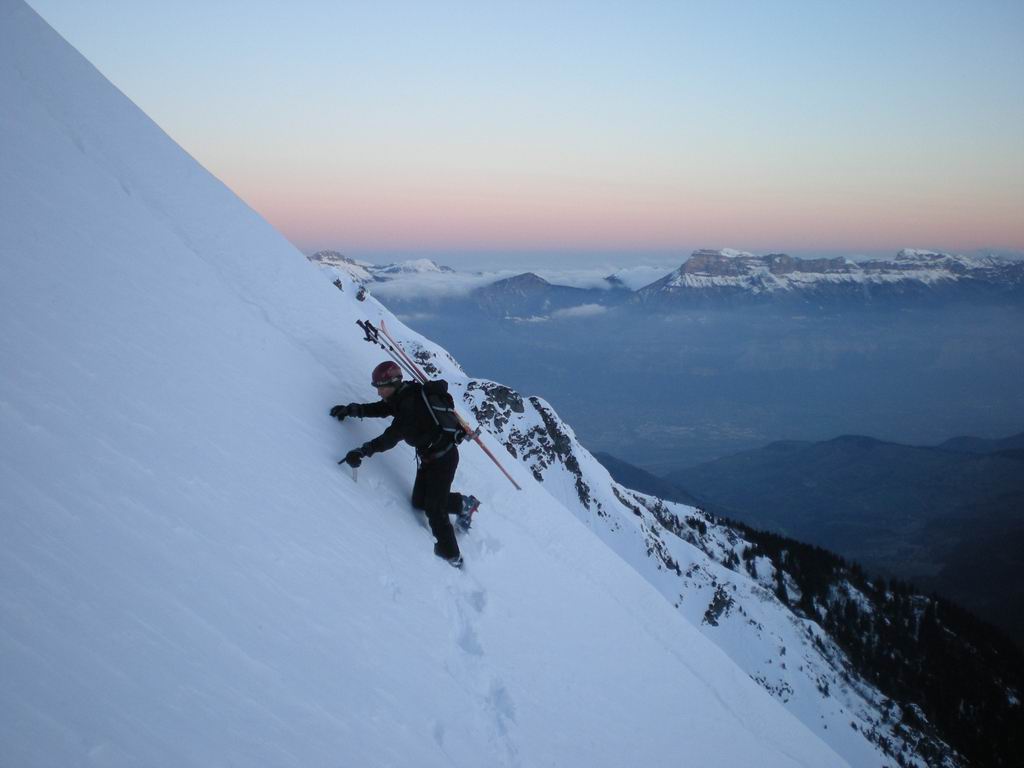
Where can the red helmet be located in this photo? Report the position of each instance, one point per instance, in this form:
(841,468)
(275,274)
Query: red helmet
(387,374)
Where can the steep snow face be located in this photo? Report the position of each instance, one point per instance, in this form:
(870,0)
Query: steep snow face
(188,578)
(697,565)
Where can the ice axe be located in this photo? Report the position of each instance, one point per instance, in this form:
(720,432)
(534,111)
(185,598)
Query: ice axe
(355,472)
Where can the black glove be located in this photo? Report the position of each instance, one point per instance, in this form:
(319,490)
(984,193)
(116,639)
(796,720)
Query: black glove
(340,412)
(353,458)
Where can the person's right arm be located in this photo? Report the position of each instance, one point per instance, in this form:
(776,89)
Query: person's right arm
(379,409)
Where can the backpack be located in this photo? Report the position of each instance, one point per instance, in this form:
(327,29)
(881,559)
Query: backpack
(441,408)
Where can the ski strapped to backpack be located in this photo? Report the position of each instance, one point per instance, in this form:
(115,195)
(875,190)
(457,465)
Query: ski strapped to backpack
(373,336)
(399,355)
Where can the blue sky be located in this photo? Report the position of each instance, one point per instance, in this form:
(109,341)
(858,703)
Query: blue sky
(632,128)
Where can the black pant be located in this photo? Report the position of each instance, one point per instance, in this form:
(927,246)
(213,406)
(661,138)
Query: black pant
(432,493)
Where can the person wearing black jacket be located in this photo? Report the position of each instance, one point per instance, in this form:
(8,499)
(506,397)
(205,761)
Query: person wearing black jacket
(409,405)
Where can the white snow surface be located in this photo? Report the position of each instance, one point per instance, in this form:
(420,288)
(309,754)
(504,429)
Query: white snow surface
(415,266)
(187,577)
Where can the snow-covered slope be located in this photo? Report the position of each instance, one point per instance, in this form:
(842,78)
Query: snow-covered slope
(187,578)
(697,565)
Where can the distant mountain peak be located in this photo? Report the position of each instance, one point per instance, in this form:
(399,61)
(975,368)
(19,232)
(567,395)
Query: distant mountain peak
(413,266)
(729,253)
(527,283)
(728,272)
(920,254)
(365,272)
(335,257)
(524,279)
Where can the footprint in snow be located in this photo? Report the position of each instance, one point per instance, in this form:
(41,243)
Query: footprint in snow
(467,606)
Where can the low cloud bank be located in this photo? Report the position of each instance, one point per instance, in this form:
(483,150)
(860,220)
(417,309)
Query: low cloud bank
(636,278)
(583,310)
(435,285)
(441,285)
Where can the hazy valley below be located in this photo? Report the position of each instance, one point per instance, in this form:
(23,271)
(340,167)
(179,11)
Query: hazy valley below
(740,408)
(823,416)
(947,518)
(670,390)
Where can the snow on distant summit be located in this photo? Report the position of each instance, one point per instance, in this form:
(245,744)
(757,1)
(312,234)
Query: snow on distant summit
(707,277)
(414,266)
(359,271)
(365,272)
(729,272)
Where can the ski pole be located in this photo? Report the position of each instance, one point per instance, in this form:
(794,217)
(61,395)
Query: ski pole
(409,361)
(373,336)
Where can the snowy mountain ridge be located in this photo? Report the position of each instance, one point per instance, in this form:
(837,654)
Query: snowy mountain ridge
(739,271)
(707,277)
(365,272)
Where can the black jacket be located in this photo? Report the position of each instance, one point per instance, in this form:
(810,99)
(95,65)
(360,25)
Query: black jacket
(412,420)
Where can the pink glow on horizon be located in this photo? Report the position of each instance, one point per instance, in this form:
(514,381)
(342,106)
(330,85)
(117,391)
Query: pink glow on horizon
(552,219)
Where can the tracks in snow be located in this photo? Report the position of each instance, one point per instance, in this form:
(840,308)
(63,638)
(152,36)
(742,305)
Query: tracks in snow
(490,705)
